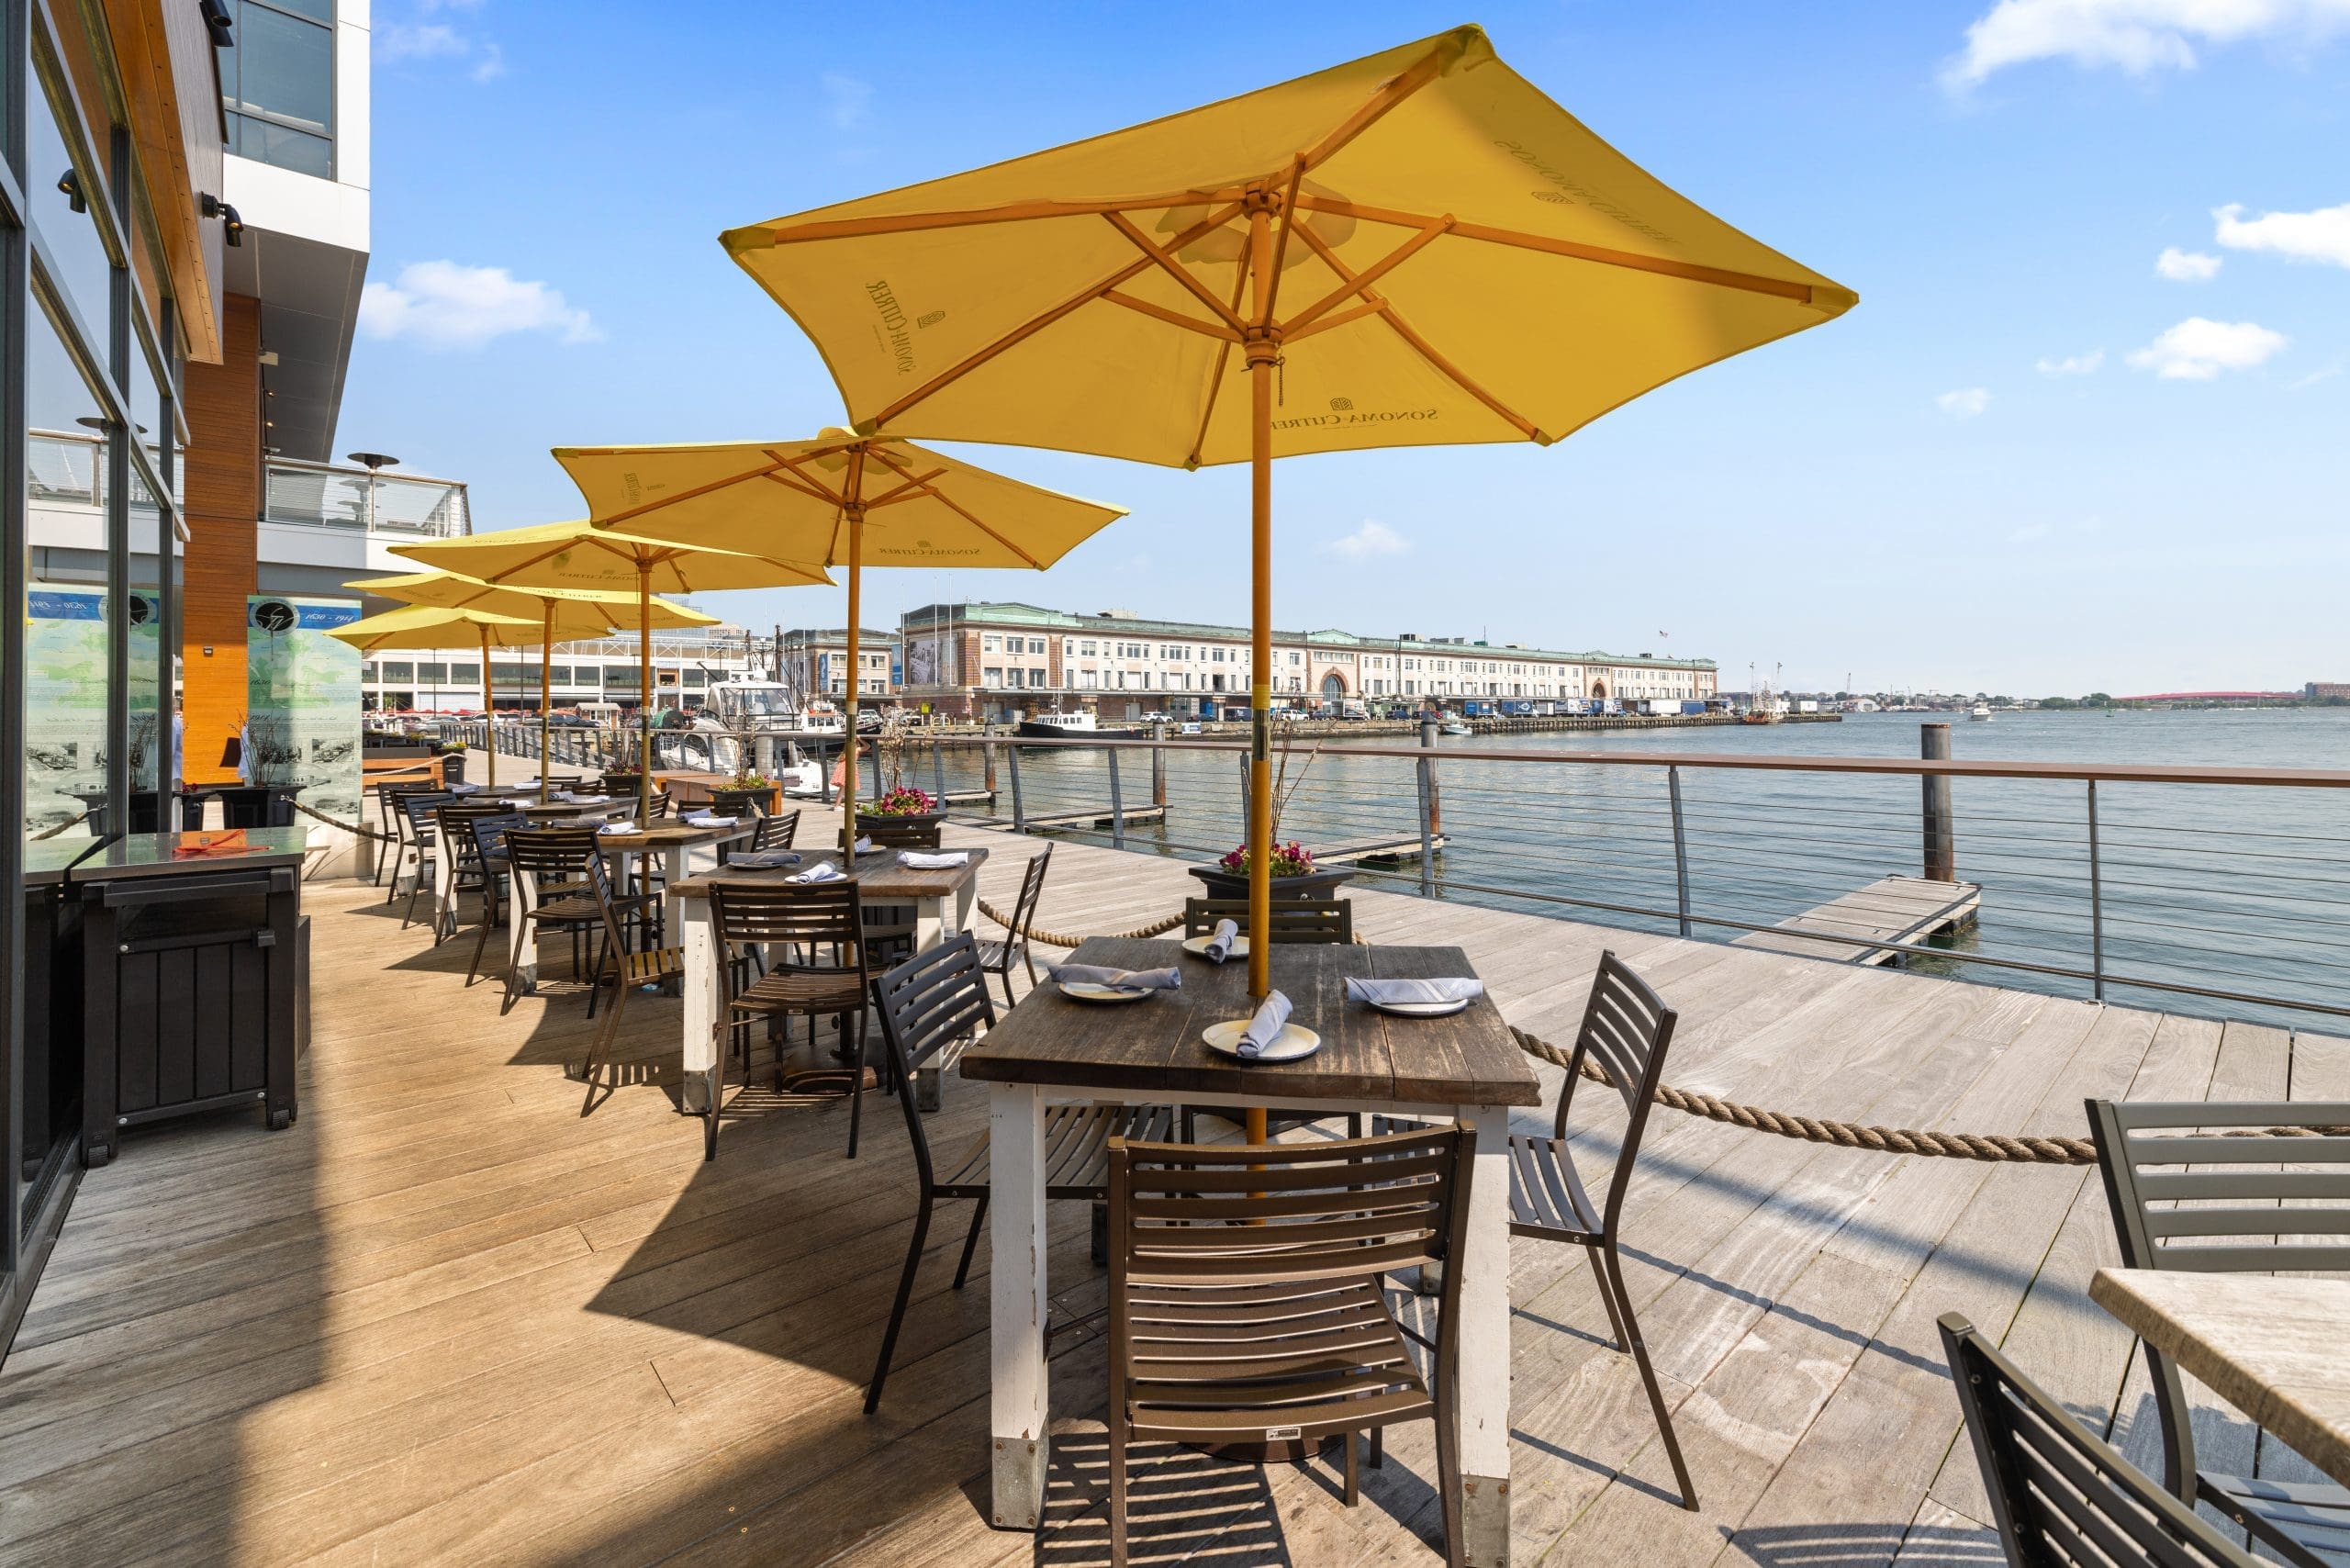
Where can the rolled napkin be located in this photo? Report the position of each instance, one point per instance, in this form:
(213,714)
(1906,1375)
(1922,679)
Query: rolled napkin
(708,818)
(1123,979)
(464,789)
(863,845)
(922,860)
(567,798)
(618,827)
(1220,940)
(764,859)
(1409,992)
(1266,1026)
(822,871)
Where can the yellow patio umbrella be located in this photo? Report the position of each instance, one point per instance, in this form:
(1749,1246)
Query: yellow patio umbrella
(1419,245)
(564,614)
(843,500)
(431,626)
(575,555)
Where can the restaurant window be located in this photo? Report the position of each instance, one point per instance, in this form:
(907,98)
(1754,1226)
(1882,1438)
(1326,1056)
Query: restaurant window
(399,670)
(277,83)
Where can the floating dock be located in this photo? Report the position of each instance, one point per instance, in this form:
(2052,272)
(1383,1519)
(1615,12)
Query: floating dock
(1902,910)
(1400,848)
(1081,817)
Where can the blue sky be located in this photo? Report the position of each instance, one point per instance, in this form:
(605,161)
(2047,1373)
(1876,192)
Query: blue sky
(2028,461)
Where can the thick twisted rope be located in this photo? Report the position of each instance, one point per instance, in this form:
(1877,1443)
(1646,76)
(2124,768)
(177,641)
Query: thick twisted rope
(1062,939)
(1995,1147)
(60,827)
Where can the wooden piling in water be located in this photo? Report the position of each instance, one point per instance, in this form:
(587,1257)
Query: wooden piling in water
(1940,830)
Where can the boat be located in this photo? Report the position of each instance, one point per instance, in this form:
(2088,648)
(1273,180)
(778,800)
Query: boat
(1980,710)
(1761,716)
(1070,726)
(1456,727)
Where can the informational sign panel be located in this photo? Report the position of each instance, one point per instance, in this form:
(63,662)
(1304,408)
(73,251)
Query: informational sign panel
(65,704)
(302,702)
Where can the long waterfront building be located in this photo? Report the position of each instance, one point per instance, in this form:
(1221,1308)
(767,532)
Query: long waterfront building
(996,660)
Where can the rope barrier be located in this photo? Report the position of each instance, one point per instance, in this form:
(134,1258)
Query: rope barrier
(1062,939)
(60,827)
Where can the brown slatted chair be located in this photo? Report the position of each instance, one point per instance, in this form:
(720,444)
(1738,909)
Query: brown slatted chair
(792,921)
(996,956)
(631,965)
(1627,1029)
(452,820)
(393,839)
(489,832)
(555,861)
(1247,1300)
(927,1004)
(2061,1498)
(1318,917)
(2184,1193)
(767,832)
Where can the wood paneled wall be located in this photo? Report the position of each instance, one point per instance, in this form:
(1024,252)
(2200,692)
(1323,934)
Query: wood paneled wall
(224,498)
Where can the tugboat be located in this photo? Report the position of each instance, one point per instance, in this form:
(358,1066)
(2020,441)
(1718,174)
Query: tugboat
(1070,726)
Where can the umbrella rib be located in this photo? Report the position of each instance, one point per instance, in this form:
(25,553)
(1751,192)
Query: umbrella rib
(1362,281)
(1281,240)
(824,491)
(1174,318)
(1011,212)
(1392,92)
(907,491)
(1174,269)
(618,518)
(548,553)
(1428,351)
(1215,380)
(798,488)
(943,500)
(1371,305)
(1038,323)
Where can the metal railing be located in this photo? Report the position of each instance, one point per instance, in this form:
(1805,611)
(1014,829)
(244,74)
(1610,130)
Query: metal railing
(328,495)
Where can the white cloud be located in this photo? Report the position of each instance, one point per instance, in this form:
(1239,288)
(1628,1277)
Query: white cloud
(396,41)
(490,66)
(1372,539)
(2186,267)
(1965,403)
(446,305)
(2198,349)
(847,98)
(2072,365)
(2138,37)
(2323,372)
(2320,236)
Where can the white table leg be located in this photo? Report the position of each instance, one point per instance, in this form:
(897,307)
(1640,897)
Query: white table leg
(673,871)
(1481,1400)
(965,896)
(1016,1286)
(698,936)
(930,924)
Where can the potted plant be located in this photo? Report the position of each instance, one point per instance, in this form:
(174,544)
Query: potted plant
(902,805)
(748,779)
(1294,872)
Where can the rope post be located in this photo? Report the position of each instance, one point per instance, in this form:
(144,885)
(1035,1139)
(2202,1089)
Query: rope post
(1117,806)
(1941,833)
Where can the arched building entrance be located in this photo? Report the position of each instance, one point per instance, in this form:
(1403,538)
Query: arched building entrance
(1334,685)
(1599,690)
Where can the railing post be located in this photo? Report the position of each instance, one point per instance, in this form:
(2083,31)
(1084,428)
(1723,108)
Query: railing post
(938,771)
(1680,848)
(1941,833)
(1019,814)
(1427,838)
(1117,805)
(1159,764)
(1247,805)
(987,746)
(1435,813)
(879,790)
(2096,906)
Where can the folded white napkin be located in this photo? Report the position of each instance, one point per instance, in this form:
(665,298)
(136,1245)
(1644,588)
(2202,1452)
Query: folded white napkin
(1220,940)
(464,789)
(922,860)
(1124,980)
(864,846)
(618,827)
(822,871)
(1266,1026)
(1393,991)
(569,799)
(764,859)
(708,818)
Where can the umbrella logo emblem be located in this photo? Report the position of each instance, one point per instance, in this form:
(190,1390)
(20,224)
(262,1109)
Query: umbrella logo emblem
(1554,197)
(1340,405)
(929,319)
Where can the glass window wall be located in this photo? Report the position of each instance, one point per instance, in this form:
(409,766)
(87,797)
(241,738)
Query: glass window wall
(277,83)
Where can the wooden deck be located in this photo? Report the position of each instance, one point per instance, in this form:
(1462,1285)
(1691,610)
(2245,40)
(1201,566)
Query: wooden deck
(1891,909)
(446,1318)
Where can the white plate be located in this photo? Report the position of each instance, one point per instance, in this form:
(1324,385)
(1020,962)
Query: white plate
(1085,991)
(1295,1041)
(1198,947)
(1423,1009)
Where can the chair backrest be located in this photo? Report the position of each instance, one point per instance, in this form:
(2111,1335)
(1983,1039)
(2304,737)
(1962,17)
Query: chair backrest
(2223,1214)
(1627,1029)
(926,1004)
(423,811)
(618,783)
(657,804)
(1315,918)
(1032,891)
(814,913)
(1211,1215)
(776,832)
(552,854)
(2059,1495)
(489,830)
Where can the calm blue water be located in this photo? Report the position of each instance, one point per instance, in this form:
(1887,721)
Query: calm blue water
(2225,887)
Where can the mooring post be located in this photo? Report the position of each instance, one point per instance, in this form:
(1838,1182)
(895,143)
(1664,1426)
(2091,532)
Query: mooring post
(1425,769)
(1941,832)
(938,771)
(1019,816)
(1117,805)
(987,746)
(1158,764)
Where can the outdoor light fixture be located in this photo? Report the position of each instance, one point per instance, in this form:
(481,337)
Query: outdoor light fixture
(371,461)
(70,183)
(222,26)
(232,226)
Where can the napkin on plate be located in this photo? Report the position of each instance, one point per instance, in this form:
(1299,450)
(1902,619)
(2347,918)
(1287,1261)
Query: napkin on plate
(822,871)
(921,861)
(1124,979)
(570,799)
(1414,991)
(863,845)
(464,789)
(1220,941)
(763,859)
(1266,1027)
(708,818)
(618,827)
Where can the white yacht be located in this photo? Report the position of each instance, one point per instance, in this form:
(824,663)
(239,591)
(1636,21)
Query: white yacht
(1980,710)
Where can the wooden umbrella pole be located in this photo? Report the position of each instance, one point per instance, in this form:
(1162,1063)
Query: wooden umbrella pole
(546,692)
(856,510)
(1262,349)
(644,693)
(489,703)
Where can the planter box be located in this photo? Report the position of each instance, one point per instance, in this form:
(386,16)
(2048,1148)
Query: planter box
(1223,884)
(865,822)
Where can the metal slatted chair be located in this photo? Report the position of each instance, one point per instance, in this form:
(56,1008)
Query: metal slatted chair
(1315,918)
(2234,1212)
(1248,1302)
(927,1004)
(1627,1029)
(491,855)
(423,844)
(633,965)
(792,921)
(887,834)
(996,956)
(2059,1495)
(452,822)
(555,860)
(768,833)
(393,841)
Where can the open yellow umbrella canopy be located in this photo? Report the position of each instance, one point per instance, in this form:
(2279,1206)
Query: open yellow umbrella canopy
(440,626)
(843,500)
(563,615)
(1413,249)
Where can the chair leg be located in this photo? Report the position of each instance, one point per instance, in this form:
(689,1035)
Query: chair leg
(488,919)
(971,1241)
(1378,1448)
(1648,1376)
(601,1043)
(1608,1298)
(1353,1469)
(1117,1437)
(1448,1478)
(898,1307)
(514,971)
(855,1081)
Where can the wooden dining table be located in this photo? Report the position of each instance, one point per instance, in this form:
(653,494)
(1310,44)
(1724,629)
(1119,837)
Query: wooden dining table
(1050,1049)
(669,841)
(942,902)
(2275,1346)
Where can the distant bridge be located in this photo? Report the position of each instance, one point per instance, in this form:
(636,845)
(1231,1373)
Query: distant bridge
(2215,697)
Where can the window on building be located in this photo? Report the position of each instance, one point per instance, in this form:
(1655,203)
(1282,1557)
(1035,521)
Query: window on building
(993,674)
(991,643)
(277,83)
(1036,644)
